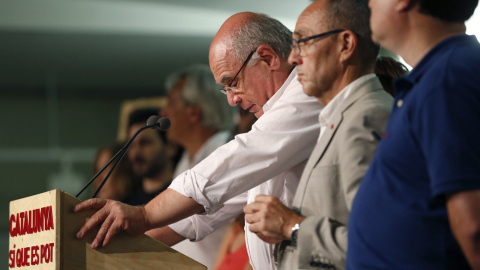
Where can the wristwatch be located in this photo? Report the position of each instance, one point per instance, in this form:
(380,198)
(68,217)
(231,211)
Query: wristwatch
(294,235)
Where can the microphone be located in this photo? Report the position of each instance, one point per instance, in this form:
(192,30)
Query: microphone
(154,122)
(162,123)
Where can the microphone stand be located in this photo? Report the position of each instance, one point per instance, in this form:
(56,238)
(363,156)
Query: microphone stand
(122,152)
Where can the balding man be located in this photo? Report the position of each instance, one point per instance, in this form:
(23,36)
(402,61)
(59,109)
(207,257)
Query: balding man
(249,56)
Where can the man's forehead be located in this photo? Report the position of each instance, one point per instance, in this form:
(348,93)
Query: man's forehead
(222,64)
(310,21)
(134,128)
(300,32)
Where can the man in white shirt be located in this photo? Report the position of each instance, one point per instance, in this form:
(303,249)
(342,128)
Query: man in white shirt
(267,160)
(201,122)
(335,57)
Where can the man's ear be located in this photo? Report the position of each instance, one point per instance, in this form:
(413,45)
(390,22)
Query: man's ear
(347,45)
(269,56)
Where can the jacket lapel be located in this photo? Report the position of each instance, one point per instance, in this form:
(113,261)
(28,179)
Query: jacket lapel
(327,136)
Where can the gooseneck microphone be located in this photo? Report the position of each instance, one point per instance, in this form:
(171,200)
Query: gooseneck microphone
(154,122)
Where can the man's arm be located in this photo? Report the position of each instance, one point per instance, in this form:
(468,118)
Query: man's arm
(166,235)
(168,207)
(196,227)
(279,140)
(464,216)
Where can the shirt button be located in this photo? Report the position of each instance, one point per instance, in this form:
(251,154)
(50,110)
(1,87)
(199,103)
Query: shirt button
(399,103)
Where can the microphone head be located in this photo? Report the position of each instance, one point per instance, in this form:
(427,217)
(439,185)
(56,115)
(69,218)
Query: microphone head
(152,121)
(164,123)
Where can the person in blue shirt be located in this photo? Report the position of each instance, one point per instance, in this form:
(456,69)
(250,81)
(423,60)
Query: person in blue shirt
(418,206)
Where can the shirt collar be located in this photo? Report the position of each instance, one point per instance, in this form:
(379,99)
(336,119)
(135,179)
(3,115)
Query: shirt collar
(327,112)
(269,104)
(429,59)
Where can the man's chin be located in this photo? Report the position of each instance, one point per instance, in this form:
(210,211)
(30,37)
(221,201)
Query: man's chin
(258,114)
(308,89)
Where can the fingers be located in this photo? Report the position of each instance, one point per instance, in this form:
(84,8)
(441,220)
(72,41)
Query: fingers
(104,230)
(252,213)
(255,227)
(251,208)
(266,217)
(112,231)
(266,199)
(251,218)
(90,204)
(266,233)
(113,218)
(96,219)
(261,201)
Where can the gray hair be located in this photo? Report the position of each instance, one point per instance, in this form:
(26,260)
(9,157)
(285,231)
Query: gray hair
(354,15)
(261,29)
(200,89)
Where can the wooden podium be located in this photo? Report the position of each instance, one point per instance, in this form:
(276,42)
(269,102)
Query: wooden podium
(42,236)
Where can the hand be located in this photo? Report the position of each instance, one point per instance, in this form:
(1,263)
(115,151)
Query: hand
(270,219)
(113,217)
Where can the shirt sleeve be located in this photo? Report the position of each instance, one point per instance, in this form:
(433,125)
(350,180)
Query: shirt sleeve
(283,137)
(197,227)
(448,129)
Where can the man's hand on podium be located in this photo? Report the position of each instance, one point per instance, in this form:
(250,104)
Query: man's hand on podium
(114,217)
(168,207)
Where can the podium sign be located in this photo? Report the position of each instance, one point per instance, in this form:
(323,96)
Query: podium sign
(42,236)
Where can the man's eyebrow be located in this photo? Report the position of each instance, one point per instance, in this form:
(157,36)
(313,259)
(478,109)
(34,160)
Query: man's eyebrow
(226,80)
(298,33)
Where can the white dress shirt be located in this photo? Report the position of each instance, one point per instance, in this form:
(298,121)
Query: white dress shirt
(267,160)
(204,251)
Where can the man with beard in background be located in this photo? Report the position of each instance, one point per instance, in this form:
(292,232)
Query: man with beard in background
(149,157)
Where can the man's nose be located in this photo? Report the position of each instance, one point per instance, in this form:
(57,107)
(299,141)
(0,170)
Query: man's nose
(233,99)
(294,59)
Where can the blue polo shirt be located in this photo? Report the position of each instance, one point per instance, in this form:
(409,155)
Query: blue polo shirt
(431,147)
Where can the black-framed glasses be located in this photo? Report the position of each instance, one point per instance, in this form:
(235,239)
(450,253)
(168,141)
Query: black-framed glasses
(229,87)
(297,42)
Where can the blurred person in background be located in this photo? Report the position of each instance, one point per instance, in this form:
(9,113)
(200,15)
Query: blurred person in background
(232,254)
(152,158)
(121,181)
(387,70)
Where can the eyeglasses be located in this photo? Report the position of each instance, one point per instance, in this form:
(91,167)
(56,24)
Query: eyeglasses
(229,87)
(297,42)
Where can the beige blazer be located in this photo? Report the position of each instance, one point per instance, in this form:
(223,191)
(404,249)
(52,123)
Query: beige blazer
(332,176)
